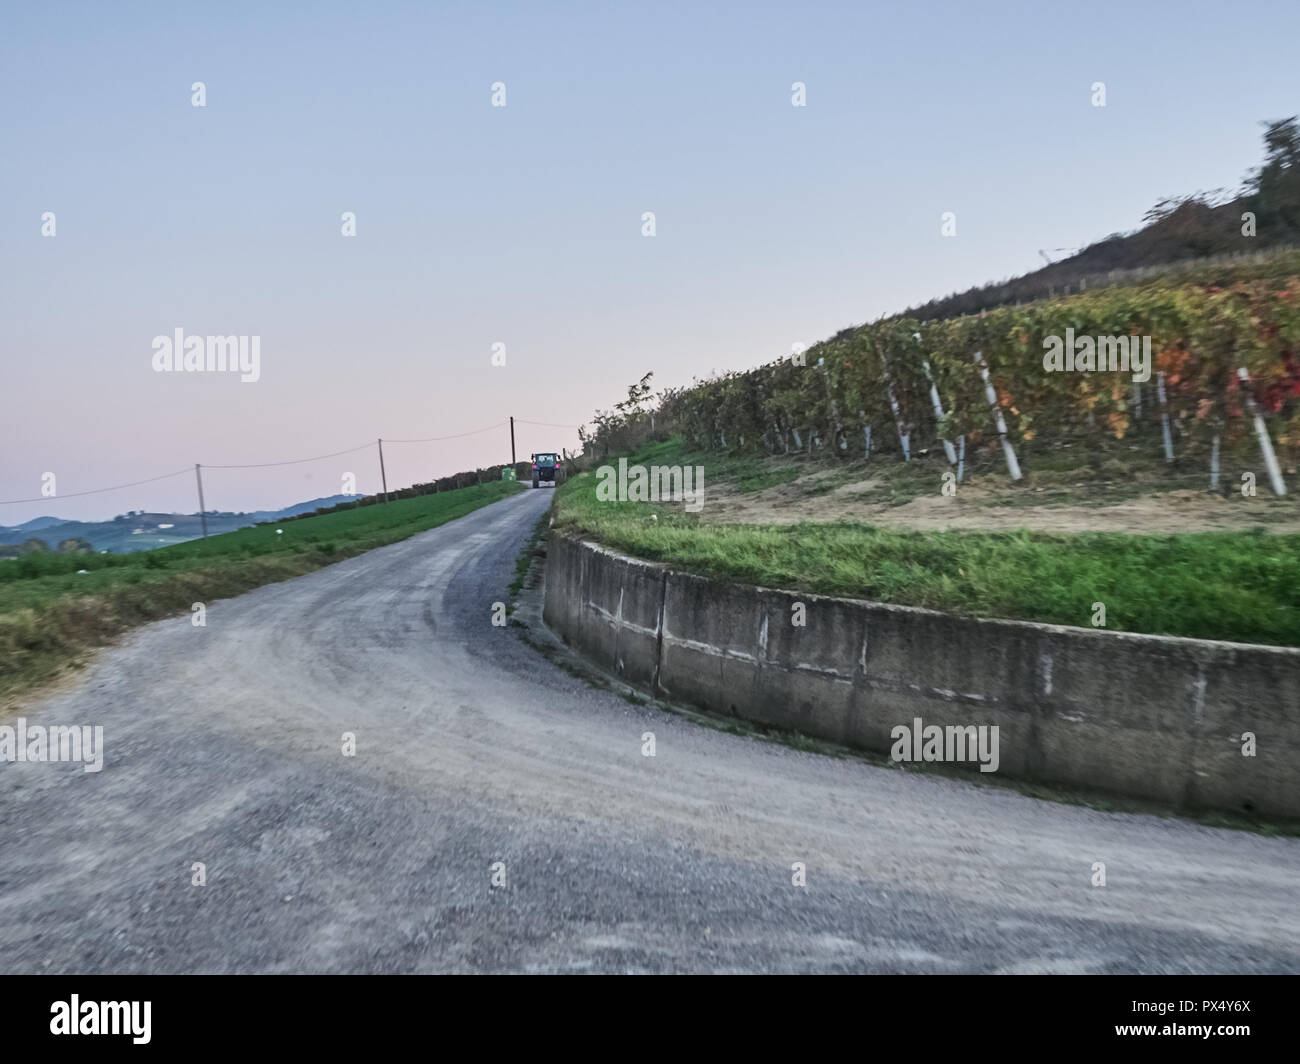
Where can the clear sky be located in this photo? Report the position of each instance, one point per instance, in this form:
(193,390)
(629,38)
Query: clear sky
(522,224)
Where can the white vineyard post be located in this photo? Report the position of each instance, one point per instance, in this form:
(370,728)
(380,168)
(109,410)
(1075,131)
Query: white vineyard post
(1261,433)
(1214,463)
(938,413)
(835,407)
(898,421)
(1164,417)
(1009,452)
(903,436)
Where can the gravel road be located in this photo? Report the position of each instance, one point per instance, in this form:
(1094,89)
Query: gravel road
(223,745)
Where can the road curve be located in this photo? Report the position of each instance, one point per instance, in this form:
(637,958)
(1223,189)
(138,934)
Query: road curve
(224,746)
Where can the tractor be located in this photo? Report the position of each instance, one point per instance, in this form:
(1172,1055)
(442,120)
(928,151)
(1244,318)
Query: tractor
(544,468)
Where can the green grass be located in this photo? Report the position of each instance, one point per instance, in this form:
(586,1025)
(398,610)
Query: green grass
(766,478)
(740,473)
(50,614)
(1240,586)
(524,563)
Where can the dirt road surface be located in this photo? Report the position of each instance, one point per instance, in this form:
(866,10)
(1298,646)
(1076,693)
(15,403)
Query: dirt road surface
(223,745)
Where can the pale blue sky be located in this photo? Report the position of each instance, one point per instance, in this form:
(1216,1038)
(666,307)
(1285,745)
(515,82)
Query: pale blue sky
(523,224)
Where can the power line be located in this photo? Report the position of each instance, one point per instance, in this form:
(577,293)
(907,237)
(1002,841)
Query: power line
(455,436)
(545,424)
(353,450)
(265,465)
(291,461)
(94,491)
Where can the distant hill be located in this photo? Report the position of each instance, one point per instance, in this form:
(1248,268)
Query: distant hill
(37,523)
(137,530)
(301,507)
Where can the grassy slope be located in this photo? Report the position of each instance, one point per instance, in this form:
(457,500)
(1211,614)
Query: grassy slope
(1241,586)
(50,615)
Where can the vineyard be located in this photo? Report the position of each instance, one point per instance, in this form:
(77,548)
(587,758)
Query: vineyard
(1225,379)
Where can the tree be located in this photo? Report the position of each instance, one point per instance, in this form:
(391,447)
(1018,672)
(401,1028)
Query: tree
(1186,227)
(76,545)
(637,396)
(612,426)
(1274,189)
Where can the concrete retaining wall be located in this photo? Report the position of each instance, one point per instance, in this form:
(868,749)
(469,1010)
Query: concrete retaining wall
(1144,716)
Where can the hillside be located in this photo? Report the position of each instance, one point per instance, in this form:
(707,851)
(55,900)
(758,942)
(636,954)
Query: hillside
(955,458)
(138,530)
(1200,231)
(953,554)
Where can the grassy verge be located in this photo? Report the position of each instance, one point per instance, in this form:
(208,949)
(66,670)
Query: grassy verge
(1241,586)
(535,547)
(1087,473)
(51,614)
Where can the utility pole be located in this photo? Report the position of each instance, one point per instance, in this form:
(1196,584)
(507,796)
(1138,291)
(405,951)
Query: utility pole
(383,477)
(512,441)
(203,513)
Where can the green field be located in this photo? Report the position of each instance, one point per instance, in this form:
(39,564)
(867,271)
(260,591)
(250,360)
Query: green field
(50,614)
(1240,586)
